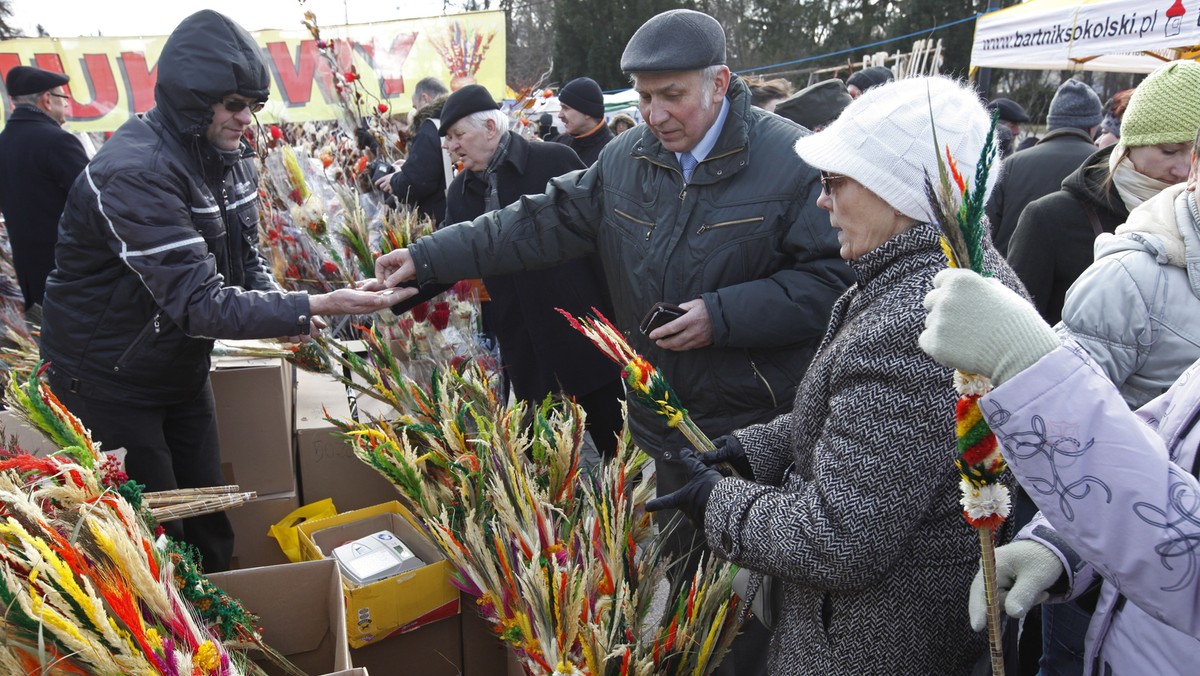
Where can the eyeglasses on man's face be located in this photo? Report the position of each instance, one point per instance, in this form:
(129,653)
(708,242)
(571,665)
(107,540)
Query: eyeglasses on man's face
(57,95)
(828,181)
(238,105)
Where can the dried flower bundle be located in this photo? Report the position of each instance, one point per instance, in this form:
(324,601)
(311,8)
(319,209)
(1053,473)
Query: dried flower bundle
(563,562)
(87,590)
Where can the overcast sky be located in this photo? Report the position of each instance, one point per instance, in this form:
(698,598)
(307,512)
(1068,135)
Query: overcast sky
(71,18)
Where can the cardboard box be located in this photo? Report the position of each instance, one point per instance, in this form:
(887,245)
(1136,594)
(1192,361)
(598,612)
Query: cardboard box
(358,671)
(432,650)
(328,467)
(398,604)
(252,547)
(255,420)
(300,606)
(484,654)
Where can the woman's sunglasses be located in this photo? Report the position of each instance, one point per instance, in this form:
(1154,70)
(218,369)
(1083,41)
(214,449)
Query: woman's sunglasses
(828,180)
(238,105)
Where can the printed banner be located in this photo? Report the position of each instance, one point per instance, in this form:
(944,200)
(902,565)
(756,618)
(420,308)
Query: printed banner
(1086,34)
(113,78)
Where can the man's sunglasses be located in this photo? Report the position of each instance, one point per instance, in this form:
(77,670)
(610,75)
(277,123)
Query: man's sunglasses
(238,105)
(828,180)
(56,94)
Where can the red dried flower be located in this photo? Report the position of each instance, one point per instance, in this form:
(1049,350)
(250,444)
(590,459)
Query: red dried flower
(383,107)
(276,132)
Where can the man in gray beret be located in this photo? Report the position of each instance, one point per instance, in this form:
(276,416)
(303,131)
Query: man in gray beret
(39,161)
(705,207)
(1075,116)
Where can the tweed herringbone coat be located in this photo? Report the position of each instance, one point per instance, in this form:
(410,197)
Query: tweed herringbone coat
(855,506)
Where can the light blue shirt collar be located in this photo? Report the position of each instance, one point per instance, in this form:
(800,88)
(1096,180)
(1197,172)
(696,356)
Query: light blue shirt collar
(705,146)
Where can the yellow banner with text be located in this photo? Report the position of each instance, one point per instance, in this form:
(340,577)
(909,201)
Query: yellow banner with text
(113,78)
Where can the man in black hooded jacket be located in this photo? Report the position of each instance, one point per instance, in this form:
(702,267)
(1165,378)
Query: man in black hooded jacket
(156,257)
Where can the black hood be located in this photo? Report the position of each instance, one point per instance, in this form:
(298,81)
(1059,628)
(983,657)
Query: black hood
(206,57)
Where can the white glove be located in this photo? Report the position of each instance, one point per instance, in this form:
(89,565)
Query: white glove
(1024,571)
(978,325)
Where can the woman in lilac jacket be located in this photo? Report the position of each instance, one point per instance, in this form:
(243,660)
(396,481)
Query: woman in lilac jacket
(1118,490)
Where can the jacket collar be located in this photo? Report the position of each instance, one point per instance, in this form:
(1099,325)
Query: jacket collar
(1064,132)
(875,265)
(726,157)
(31,114)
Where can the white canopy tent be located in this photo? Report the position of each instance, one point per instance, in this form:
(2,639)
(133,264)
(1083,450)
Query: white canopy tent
(1132,36)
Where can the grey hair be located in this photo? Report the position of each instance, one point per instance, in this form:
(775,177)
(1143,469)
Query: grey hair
(27,99)
(479,119)
(431,87)
(707,75)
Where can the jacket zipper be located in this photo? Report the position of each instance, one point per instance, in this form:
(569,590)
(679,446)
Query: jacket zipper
(142,335)
(706,227)
(648,224)
(770,391)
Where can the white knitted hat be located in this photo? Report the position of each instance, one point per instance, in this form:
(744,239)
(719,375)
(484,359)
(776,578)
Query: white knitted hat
(884,140)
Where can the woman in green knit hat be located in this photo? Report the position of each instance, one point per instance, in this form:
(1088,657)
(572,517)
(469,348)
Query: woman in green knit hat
(1052,243)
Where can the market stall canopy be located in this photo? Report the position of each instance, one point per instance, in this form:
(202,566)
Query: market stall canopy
(1132,36)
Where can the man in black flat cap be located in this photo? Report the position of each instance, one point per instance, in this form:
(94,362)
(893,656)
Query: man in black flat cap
(39,161)
(582,115)
(1012,116)
(540,351)
(705,206)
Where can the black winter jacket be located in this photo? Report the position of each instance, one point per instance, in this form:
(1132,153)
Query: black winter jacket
(1052,244)
(156,254)
(421,180)
(1034,173)
(588,147)
(39,161)
(744,235)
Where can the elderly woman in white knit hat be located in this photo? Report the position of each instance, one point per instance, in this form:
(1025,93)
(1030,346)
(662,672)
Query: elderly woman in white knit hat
(853,503)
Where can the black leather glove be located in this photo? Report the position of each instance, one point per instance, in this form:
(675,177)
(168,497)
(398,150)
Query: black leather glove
(692,498)
(729,450)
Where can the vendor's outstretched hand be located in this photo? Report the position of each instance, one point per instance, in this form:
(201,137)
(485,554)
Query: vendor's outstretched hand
(729,450)
(1024,571)
(978,325)
(692,498)
(356,301)
(394,267)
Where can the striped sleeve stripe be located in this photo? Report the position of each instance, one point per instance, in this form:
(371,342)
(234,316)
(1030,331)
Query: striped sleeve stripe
(125,253)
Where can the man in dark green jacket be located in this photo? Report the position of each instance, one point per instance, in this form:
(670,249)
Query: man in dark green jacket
(705,206)
(737,241)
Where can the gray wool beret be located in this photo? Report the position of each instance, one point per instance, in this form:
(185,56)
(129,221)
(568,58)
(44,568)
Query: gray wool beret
(677,40)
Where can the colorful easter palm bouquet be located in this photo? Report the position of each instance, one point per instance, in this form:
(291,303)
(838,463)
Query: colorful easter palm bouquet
(959,207)
(86,586)
(561,561)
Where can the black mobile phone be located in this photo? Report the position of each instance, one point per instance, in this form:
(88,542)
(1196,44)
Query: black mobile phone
(658,315)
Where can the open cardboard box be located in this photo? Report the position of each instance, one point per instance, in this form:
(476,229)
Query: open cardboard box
(300,607)
(397,604)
